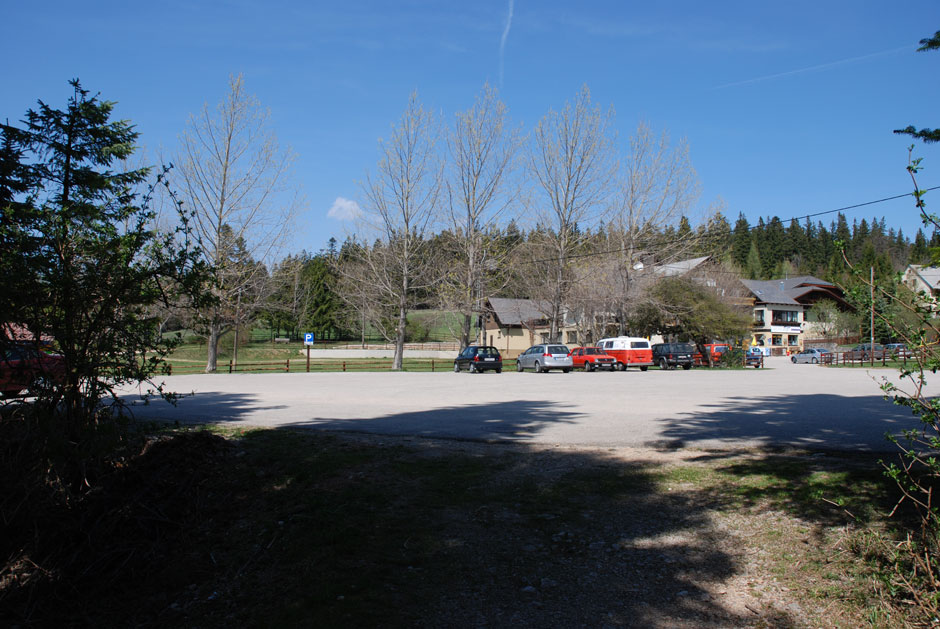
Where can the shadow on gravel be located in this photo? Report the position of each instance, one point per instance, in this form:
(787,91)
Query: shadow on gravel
(503,421)
(496,421)
(305,528)
(292,527)
(194,409)
(829,422)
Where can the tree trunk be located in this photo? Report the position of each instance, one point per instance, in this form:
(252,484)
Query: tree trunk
(400,337)
(465,326)
(215,331)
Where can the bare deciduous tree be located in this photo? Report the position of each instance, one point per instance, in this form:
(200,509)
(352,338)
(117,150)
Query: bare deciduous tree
(234,178)
(657,187)
(572,161)
(481,148)
(400,209)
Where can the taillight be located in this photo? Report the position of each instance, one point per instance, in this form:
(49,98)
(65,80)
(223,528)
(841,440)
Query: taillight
(546,355)
(476,359)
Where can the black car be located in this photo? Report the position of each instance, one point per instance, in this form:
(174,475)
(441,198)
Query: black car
(478,358)
(669,355)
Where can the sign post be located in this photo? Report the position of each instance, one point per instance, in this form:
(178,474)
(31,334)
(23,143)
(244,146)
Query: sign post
(308,341)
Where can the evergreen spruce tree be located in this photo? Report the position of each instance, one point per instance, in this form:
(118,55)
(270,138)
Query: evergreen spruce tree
(813,255)
(718,238)
(83,263)
(684,230)
(772,246)
(741,241)
(861,235)
(919,253)
(825,245)
(796,247)
(753,269)
(841,230)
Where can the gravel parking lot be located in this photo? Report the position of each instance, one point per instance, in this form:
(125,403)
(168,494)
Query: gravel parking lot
(805,406)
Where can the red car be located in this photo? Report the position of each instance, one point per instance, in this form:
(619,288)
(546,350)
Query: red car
(715,349)
(590,358)
(23,367)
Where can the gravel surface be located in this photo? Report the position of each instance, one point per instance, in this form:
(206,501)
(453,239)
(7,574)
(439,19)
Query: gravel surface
(805,406)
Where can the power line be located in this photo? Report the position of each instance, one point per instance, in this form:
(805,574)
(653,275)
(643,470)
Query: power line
(750,228)
(858,205)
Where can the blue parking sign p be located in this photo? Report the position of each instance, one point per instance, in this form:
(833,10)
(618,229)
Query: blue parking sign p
(308,338)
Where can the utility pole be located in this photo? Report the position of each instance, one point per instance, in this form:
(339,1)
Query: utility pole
(871,328)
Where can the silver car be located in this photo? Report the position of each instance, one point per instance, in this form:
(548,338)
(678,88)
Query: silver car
(544,357)
(811,356)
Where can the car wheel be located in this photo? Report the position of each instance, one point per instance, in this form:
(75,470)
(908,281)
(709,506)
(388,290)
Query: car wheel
(588,365)
(538,367)
(499,371)
(687,366)
(663,364)
(815,361)
(566,370)
(793,359)
(644,368)
(456,367)
(519,366)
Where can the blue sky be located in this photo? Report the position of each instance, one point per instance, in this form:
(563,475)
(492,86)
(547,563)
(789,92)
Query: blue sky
(787,107)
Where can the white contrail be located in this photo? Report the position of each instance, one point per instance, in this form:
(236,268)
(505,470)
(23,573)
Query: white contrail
(502,42)
(823,66)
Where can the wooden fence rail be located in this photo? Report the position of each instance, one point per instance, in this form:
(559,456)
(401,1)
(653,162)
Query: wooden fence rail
(303,365)
(881,358)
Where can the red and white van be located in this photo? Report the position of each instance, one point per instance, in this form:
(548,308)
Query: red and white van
(629,351)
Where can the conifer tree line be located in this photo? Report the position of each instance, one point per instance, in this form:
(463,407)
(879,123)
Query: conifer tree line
(765,250)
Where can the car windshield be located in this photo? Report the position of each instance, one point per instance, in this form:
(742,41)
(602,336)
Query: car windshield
(557,349)
(639,344)
(684,347)
(488,352)
(20,352)
(593,350)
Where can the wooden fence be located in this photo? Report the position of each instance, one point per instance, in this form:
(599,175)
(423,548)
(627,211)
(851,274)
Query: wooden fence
(303,365)
(880,358)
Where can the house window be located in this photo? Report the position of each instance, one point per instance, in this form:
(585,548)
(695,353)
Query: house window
(785,317)
(759,318)
(793,339)
(777,340)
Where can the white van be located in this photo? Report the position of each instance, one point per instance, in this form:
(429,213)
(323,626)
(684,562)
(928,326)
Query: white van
(628,351)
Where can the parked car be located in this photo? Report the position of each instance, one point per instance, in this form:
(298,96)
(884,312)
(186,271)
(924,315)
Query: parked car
(754,357)
(479,358)
(715,349)
(898,350)
(669,355)
(545,357)
(811,356)
(866,351)
(24,367)
(591,358)
(628,351)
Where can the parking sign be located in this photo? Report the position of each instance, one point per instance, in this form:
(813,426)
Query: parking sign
(308,338)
